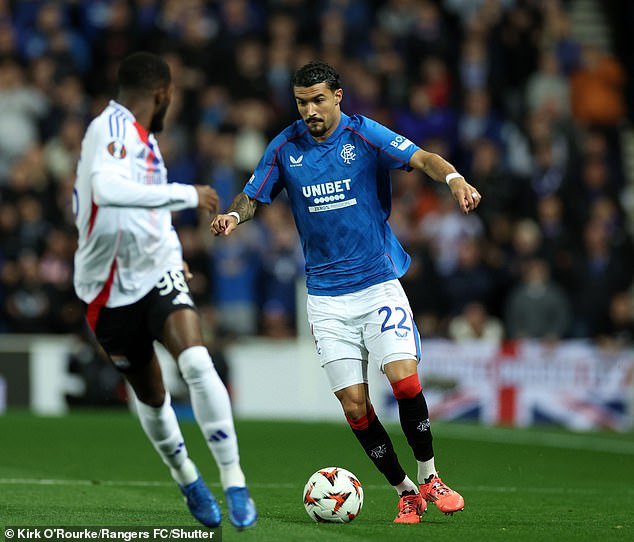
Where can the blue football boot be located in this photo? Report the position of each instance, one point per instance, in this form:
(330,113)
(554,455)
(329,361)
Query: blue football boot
(201,503)
(242,512)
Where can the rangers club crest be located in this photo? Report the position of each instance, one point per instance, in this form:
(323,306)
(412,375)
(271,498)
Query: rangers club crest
(347,153)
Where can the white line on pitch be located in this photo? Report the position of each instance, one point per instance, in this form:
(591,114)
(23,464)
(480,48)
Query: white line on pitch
(374,487)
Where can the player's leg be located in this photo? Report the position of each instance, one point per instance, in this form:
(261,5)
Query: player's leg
(414,418)
(343,355)
(393,343)
(212,409)
(371,434)
(125,340)
(160,424)
(158,419)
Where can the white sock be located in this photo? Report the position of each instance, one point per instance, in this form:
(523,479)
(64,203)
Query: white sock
(406,485)
(212,409)
(161,427)
(425,470)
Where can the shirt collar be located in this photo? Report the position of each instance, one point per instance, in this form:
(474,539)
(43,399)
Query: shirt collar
(343,122)
(116,105)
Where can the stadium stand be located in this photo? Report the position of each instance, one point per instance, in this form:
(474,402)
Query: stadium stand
(530,99)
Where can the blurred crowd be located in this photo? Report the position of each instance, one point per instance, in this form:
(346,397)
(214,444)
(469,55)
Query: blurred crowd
(529,114)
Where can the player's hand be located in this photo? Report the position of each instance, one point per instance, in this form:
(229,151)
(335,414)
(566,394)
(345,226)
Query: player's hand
(223,224)
(467,196)
(187,272)
(207,197)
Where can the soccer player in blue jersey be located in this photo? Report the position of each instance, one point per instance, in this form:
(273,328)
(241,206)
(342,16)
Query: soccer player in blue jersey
(335,169)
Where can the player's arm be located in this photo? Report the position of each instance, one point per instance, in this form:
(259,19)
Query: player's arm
(440,170)
(112,190)
(242,208)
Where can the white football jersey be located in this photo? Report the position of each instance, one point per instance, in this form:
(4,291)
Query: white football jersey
(122,204)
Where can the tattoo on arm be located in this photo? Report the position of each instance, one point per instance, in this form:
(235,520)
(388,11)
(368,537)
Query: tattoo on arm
(244,206)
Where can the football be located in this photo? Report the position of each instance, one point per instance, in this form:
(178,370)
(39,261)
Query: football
(333,495)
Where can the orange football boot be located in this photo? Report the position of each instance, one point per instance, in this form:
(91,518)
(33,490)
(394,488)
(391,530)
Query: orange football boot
(446,499)
(410,509)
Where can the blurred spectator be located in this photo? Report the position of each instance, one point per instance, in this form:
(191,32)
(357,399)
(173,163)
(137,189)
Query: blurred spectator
(474,323)
(428,33)
(537,308)
(547,89)
(506,193)
(28,305)
(597,273)
(22,106)
(55,271)
(557,242)
(526,245)
(477,121)
(423,287)
(597,89)
(62,151)
(444,228)
(594,185)
(116,40)
(246,76)
(475,69)
(52,35)
(396,17)
(420,121)
(68,98)
(216,161)
(548,173)
(235,263)
(252,117)
(558,34)
(517,43)
(470,281)
(282,268)
(616,328)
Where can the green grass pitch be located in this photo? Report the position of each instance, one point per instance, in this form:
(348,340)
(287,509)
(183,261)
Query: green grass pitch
(97,469)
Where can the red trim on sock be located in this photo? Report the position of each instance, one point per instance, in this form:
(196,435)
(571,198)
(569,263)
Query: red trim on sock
(407,388)
(363,422)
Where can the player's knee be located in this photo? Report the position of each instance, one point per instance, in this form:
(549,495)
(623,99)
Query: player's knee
(360,421)
(151,397)
(355,408)
(407,388)
(195,363)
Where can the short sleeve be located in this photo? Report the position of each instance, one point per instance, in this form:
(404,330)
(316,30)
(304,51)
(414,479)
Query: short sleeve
(394,150)
(266,182)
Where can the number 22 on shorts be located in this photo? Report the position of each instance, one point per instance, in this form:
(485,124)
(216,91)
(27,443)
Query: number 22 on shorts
(397,323)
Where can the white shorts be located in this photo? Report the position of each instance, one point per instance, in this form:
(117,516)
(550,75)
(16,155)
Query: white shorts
(372,325)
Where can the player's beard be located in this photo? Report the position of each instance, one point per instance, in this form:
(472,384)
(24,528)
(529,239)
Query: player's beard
(317,129)
(156,124)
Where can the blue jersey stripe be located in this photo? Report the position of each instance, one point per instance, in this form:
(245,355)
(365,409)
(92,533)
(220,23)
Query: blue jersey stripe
(117,124)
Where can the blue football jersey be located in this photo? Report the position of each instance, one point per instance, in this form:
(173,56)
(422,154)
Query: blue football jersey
(341,196)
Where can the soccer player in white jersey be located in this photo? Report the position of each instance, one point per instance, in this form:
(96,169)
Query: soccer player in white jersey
(129,272)
(335,169)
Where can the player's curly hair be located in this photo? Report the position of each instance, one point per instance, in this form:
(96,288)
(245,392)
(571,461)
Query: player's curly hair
(143,71)
(314,73)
